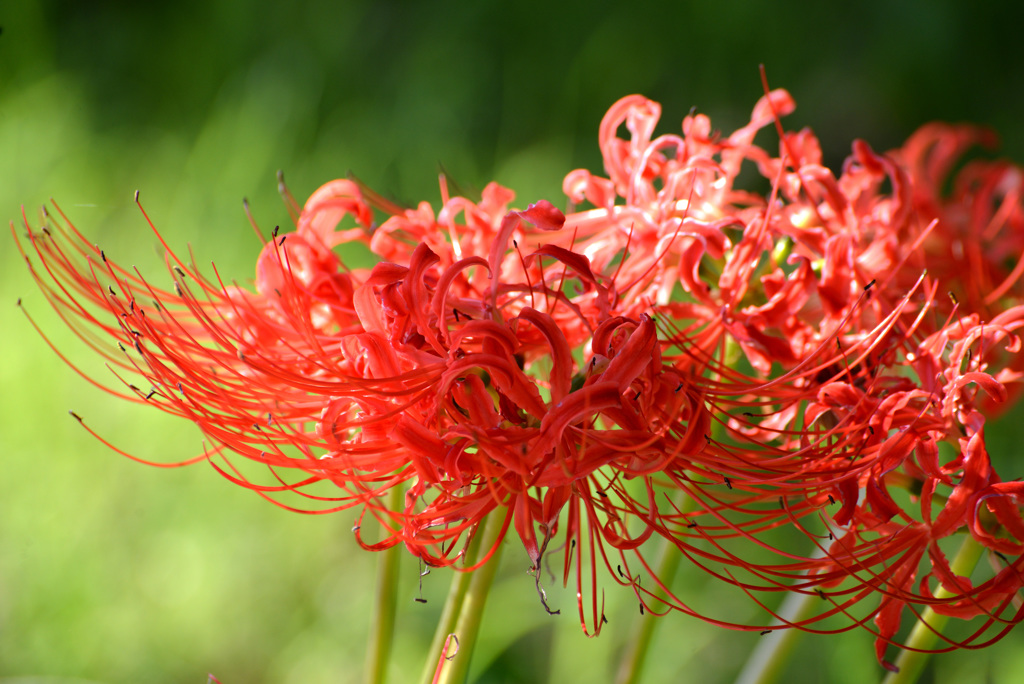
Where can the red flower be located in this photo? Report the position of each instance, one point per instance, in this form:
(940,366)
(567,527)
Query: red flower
(790,363)
(833,292)
(481,378)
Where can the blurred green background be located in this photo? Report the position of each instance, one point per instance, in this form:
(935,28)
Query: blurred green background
(115,572)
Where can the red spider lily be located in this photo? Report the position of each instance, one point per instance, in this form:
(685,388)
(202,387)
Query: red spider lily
(788,362)
(981,222)
(456,375)
(866,440)
(830,289)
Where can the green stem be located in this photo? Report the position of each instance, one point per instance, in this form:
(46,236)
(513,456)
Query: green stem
(466,600)
(383,627)
(449,615)
(773,650)
(633,657)
(766,662)
(632,664)
(929,626)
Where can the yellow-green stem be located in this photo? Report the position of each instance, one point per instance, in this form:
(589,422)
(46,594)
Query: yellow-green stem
(383,628)
(767,660)
(449,615)
(632,663)
(470,607)
(930,625)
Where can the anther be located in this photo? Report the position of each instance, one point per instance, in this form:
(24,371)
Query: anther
(765,631)
(455,639)
(869,286)
(136,196)
(728,483)
(75,416)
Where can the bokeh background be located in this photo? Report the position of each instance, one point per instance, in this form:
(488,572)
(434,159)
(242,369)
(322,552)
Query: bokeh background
(115,572)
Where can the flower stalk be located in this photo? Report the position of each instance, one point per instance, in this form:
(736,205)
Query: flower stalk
(382,628)
(635,654)
(466,601)
(446,624)
(773,651)
(926,631)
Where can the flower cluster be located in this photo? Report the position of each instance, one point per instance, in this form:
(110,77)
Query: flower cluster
(789,388)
